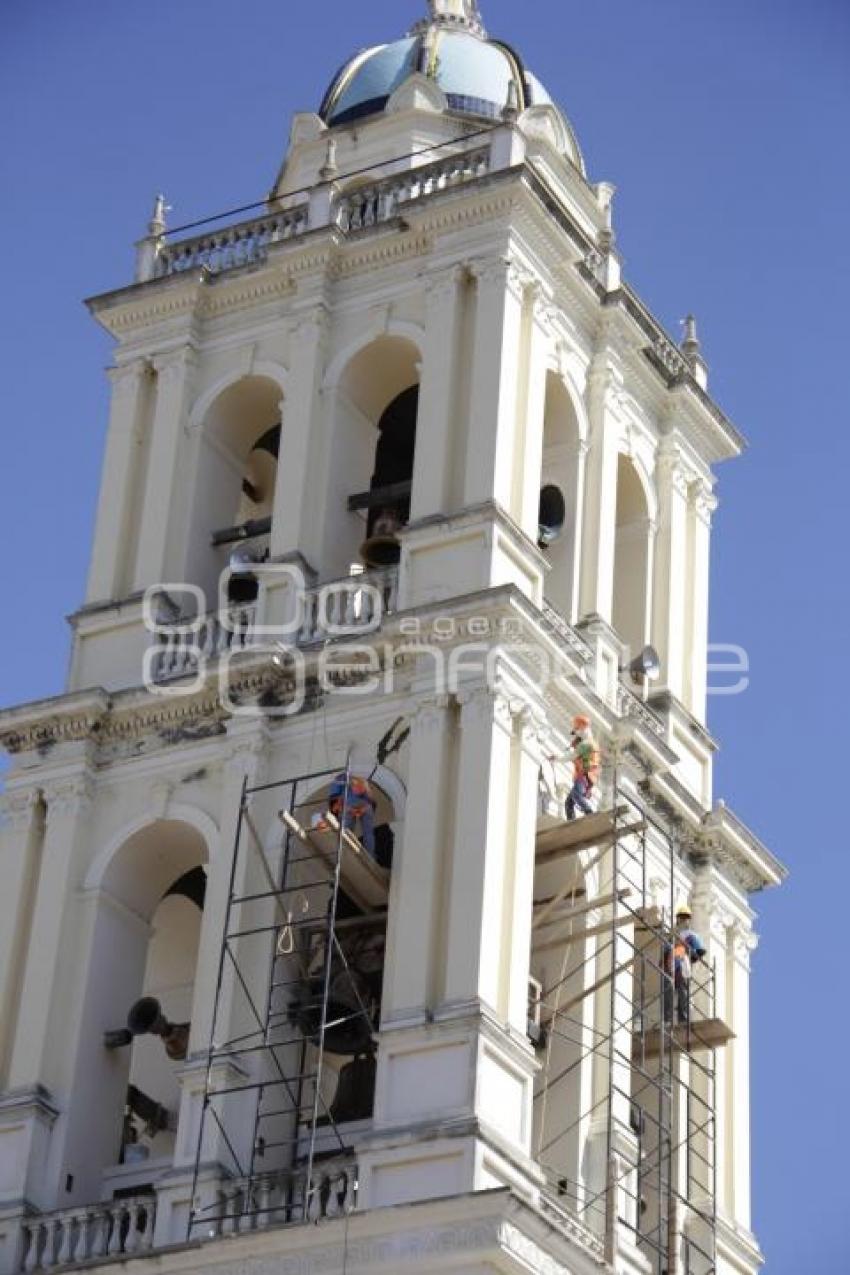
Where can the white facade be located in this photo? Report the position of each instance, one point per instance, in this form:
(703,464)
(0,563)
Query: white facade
(419,243)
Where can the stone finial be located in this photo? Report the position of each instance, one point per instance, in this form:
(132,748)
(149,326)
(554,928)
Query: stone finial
(510,111)
(605,192)
(329,169)
(457,13)
(156,225)
(690,341)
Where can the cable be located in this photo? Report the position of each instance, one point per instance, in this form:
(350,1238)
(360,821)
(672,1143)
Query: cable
(354,172)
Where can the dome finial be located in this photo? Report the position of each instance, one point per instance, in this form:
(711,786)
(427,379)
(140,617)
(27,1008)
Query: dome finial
(457,13)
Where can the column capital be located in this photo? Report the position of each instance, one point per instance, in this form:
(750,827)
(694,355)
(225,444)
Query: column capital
(18,807)
(67,798)
(441,285)
(743,942)
(500,272)
(479,704)
(173,364)
(705,503)
(125,377)
(311,325)
(429,714)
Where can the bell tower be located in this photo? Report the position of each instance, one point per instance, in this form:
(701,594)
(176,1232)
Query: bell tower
(401,557)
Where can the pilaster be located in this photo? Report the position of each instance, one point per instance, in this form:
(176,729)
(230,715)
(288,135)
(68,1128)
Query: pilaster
(497,354)
(67,804)
(600,501)
(156,554)
(291,521)
(742,943)
(436,461)
(671,577)
(21,839)
(701,507)
(410,986)
(121,477)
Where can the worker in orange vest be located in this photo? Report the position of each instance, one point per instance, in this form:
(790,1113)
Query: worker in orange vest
(584,753)
(679,956)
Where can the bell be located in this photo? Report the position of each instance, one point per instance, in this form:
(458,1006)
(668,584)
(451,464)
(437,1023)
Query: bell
(147,1019)
(355,1091)
(552,515)
(382,548)
(348,1029)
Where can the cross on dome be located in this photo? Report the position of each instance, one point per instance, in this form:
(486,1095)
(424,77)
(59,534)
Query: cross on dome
(457,13)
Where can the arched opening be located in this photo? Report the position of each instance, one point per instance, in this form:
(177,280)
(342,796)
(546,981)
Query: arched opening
(372,463)
(631,558)
(144,941)
(357,964)
(561,471)
(236,474)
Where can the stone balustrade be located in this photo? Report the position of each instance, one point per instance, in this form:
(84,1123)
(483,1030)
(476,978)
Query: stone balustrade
(355,604)
(70,1237)
(184,646)
(247,243)
(242,245)
(340,608)
(277,1200)
(383,200)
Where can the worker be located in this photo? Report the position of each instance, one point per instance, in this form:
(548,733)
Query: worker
(679,957)
(584,754)
(359,807)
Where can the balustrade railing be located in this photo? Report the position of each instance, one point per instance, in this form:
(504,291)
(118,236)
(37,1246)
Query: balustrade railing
(278,1200)
(381,201)
(355,604)
(181,649)
(241,245)
(248,242)
(71,1237)
(340,608)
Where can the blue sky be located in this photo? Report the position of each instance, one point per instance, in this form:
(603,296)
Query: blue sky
(724,126)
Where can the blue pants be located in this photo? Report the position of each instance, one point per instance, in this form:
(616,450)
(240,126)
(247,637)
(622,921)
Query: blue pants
(578,798)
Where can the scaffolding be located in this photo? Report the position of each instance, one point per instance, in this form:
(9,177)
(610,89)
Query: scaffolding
(625,1099)
(298,985)
(637,1087)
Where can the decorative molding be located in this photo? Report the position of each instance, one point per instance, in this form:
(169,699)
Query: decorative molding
(18,807)
(67,798)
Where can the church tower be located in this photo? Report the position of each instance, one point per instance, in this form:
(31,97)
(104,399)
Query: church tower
(401,555)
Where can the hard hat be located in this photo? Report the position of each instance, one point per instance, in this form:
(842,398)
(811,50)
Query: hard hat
(581,723)
(683,910)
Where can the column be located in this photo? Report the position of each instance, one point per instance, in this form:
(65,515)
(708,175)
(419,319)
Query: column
(742,943)
(701,506)
(413,933)
(671,566)
(68,802)
(600,500)
(529,751)
(295,496)
(111,552)
(21,841)
(528,457)
(437,424)
(174,376)
(484,823)
(494,384)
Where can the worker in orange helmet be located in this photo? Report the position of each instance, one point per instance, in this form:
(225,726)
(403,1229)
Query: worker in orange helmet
(584,753)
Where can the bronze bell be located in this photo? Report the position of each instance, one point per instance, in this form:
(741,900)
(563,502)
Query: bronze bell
(382,548)
(355,1091)
(146,1018)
